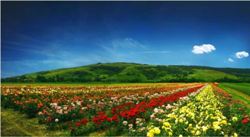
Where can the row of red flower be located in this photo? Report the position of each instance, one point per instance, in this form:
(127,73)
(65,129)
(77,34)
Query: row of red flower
(68,103)
(131,110)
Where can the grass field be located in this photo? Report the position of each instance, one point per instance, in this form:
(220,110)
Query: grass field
(242,87)
(210,75)
(14,123)
(238,90)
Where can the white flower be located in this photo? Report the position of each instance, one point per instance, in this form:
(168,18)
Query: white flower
(65,108)
(156,110)
(152,116)
(84,108)
(125,123)
(56,120)
(168,106)
(53,104)
(138,119)
(143,128)
(157,119)
(130,125)
(161,110)
(40,113)
(78,103)
(60,111)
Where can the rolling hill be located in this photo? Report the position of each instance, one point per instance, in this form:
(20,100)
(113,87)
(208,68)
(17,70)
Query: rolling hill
(133,72)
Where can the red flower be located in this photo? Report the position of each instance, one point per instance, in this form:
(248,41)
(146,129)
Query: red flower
(78,124)
(245,120)
(84,121)
(49,119)
(40,105)
(101,117)
(115,118)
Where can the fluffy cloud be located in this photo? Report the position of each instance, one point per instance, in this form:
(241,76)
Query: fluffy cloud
(204,48)
(230,60)
(241,54)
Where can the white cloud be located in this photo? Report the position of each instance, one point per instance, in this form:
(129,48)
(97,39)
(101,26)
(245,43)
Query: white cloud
(204,48)
(241,54)
(230,60)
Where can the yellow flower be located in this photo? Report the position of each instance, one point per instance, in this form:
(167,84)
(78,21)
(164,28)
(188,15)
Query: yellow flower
(181,120)
(197,133)
(190,125)
(172,115)
(202,108)
(157,130)
(153,131)
(234,119)
(193,132)
(170,133)
(235,135)
(204,128)
(216,126)
(224,122)
(167,124)
(150,134)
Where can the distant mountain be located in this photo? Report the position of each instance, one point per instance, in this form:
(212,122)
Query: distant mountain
(132,72)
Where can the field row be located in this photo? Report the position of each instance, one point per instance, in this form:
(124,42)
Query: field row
(63,107)
(138,110)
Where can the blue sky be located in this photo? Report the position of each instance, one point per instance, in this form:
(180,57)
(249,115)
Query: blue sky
(40,36)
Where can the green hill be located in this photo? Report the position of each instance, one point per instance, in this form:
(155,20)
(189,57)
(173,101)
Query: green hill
(132,72)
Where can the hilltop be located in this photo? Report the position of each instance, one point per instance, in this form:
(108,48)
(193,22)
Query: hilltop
(133,72)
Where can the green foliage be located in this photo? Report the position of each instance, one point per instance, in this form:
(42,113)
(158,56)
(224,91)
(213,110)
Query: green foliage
(114,131)
(243,87)
(83,130)
(131,72)
(239,91)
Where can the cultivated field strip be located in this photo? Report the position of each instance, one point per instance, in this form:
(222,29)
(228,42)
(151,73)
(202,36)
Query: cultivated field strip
(134,110)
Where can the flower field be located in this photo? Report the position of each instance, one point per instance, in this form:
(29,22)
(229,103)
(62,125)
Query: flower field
(192,109)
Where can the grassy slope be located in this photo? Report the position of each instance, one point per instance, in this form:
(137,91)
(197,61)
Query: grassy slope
(204,74)
(210,75)
(120,72)
(238,91)
(84,84)
(243,87)
(82,68)
(14,123)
